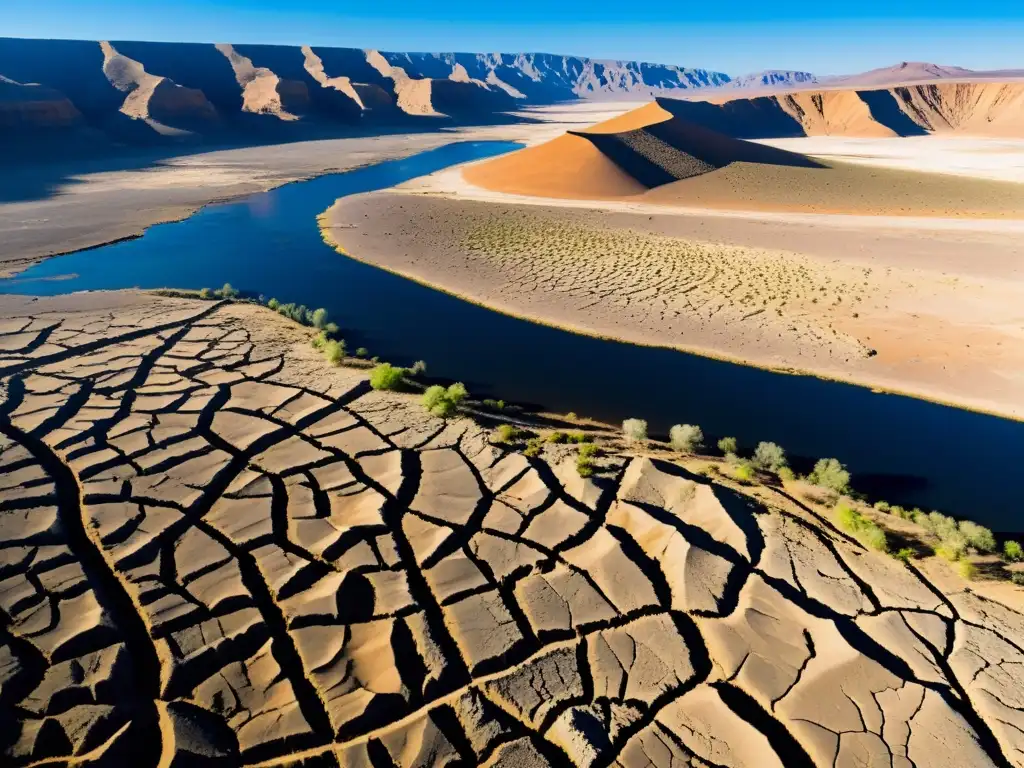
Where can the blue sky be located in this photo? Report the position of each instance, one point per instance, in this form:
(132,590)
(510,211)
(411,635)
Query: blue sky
(737,36)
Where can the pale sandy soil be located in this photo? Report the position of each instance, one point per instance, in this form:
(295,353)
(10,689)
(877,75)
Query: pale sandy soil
(219,550)
(47,211)
(931,312)
(984,158)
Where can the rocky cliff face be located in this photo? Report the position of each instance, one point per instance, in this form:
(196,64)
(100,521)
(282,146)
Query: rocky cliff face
(135,92)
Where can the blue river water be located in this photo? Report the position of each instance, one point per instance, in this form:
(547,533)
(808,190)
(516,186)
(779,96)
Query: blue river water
(906,450)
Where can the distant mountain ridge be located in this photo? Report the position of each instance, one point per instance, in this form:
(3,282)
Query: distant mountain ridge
(75,94)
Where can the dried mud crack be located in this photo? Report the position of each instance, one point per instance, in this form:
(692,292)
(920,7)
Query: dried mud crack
(216,550)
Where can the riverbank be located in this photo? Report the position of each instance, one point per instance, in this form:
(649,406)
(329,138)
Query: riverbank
(909,311)
(49,209)
(245,546)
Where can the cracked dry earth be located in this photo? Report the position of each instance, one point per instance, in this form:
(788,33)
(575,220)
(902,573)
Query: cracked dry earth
(218,550)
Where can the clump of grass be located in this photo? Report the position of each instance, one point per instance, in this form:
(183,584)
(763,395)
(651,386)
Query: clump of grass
(787,475)
(418,368)
(585,459)
(883,506)
(1017,577)
(272,304)
(579,437)
(744,472)
(557,438)
(830,474)
(362,352)
(905,554)
(506,433)
(967,570)
(533,447)
(727,445)
(226,292)
(1013,551)
(494,405)
(205,293)
(443,402)
(770,457)
(387,376)
(865,530)
(634,431)
(318,341)
(686,437)
(334,351)
(952,548)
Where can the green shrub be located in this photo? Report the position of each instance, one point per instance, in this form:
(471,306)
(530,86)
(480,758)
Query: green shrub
(579,437)
(939,524)
(506,433)
(387,376)
(786,475)
(967,570)
(418,368)
(319,340)
(533,447)
(1013,551)
(319,318)
(1017,577)
(727,445)
(883,506)
(686,437)
(334,351)
(900,512)
(571,416)
(585,459)
(770,457)
(443,402)
(906,554)
(494,405)
(557,437)
(952,547)
(226,292)
(866,530)
(205,293)
(978,536)
(634,430)
(744,472)
(829,473)
(362,352)
(273,304)
(332,329)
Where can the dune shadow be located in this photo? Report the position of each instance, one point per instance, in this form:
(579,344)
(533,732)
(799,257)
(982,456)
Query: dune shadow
(886,110)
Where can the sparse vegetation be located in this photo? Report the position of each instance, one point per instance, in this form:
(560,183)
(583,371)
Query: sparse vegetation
(727,445)
(830,474)
(770,457)
(386,376)
(334,351)
(864,529)
(443,402)
(1013,551)
(507,433)
(585,459)
(634,431)
(905,554)
(743,472)
(686,437)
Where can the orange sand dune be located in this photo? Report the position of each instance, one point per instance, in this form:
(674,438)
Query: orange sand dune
(652,155)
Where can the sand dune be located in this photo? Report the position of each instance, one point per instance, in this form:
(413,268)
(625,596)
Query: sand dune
(221,551)
(653,155)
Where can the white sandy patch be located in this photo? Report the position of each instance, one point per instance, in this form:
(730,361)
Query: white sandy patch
(982,158)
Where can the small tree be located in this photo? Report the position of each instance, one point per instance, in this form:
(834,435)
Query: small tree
(386,376)
(727,445)
(829,473)
(1013,551)
(634,430)
(319,318)
(227,292)
(686,437)
(770,456)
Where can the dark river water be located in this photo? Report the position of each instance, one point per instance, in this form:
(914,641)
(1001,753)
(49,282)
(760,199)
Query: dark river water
(906,450)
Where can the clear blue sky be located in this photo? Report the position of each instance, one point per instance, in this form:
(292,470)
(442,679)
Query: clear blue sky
(734,36)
